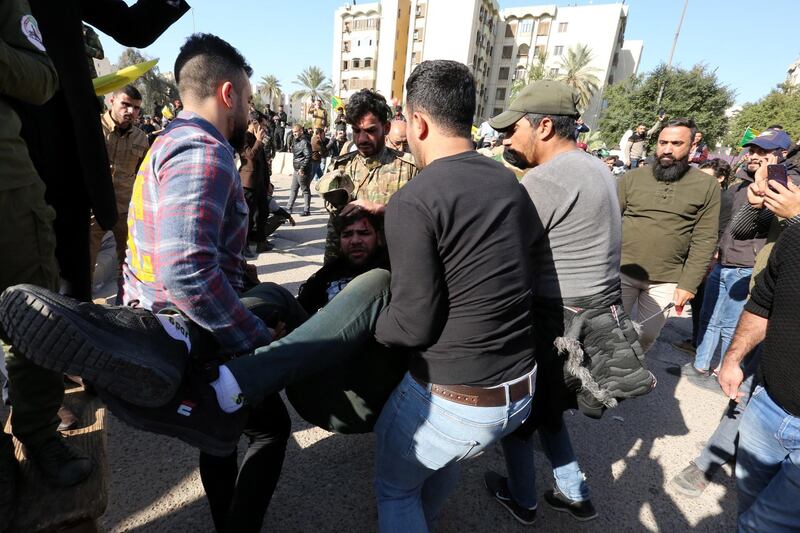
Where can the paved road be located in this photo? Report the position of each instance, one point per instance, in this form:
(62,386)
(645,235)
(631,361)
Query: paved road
(326,485)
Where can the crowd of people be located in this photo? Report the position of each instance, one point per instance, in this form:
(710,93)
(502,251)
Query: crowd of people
(460,304)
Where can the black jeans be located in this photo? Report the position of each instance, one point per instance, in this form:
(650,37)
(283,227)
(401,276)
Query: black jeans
(300,183)
(239,496)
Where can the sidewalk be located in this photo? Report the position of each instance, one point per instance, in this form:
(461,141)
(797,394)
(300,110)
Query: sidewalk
(629,456)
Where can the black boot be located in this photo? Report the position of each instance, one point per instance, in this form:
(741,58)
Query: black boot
(59,461)
(127,351)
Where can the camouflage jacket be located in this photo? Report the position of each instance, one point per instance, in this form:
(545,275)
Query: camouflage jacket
(374,178)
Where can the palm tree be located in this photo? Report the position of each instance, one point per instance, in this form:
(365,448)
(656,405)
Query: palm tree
(314,85)
(576,72)
(270,88)
(535,73)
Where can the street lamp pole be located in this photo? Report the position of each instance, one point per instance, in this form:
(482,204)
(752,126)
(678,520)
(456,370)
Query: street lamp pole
(671,54)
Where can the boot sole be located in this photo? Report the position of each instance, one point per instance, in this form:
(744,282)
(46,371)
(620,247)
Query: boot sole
(47,332)
(194,438)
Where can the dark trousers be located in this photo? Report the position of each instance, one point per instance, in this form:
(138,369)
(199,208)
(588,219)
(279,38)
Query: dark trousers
(29,244)
(300,183)
(258,208)
(239,495)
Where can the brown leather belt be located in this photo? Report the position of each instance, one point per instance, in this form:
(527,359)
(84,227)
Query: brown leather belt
(479,396)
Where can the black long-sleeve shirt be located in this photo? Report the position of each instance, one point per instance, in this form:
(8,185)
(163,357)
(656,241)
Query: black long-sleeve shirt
(775,297)
(459,237)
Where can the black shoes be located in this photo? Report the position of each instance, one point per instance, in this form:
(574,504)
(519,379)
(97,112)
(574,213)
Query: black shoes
(9,470)
(193,415)
(60,462)
(497,486)
(305,213)
(124,350)
(582,511)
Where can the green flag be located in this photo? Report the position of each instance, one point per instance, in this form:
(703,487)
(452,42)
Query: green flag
(747,136)
(336,102)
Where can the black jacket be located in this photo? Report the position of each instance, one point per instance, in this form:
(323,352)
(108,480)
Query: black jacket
(739,252)
(301,154)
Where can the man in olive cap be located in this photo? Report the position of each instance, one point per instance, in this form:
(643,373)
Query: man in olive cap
(576,254)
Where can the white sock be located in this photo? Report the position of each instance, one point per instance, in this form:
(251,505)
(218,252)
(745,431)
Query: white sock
(229,394)
(176,327)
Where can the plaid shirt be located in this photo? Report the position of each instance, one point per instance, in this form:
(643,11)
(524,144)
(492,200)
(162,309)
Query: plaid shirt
(187,226)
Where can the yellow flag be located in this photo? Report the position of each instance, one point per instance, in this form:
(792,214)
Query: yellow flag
(119,79)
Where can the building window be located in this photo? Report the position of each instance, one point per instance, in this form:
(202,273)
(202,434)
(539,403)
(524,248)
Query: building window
(526,26)
(558,50)
(562,27)
(370,42)
(414,59)
(511,29)
(368,62)
(523,50)
(500,93)
(347,27)
(420,10)
(554,71)
(507,50)
(346,46)
(544,28)
(417,35)
(519,72)
(504,72)
(345,65)
(539,51)
(356,62)
(496,111)
(358,42)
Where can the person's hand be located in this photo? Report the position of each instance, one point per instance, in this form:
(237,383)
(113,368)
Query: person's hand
(760,177)
(755,197)
(783,201)
(363,205)
(279,331)
(680,298)
(730,379)
(301,173)
(260,133)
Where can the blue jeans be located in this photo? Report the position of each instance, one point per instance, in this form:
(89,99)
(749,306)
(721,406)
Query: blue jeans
(768,467)
(721,447)
(421,439)
(725,296)
(316,170)
(521,469)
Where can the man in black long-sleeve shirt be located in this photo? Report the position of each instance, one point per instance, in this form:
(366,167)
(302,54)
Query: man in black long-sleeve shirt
(768,458)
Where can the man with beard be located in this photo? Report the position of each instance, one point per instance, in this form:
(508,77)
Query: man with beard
(126,146)
(376,170)
(670,219)
(188,224)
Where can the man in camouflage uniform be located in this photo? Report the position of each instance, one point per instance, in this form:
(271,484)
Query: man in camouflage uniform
(376,171)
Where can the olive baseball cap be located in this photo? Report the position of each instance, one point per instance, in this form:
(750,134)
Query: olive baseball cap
(544,97)
(336,187)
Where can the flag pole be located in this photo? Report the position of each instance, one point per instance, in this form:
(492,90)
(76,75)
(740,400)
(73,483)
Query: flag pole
(671,54)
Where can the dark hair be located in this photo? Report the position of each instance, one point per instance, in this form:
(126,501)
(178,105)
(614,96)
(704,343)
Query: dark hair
(206,61)
(445,90)
(681,123)
(130,91)
(722,169)
(775,127)
(367,101)
(563,125)
(340,223)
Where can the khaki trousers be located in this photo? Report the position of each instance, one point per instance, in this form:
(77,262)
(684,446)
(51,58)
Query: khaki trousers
(642,300)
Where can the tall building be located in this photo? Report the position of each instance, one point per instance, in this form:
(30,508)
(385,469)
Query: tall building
(377,45)
(540,36)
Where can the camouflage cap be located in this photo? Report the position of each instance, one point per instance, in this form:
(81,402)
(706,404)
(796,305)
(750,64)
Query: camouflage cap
(543,97)
(336,187)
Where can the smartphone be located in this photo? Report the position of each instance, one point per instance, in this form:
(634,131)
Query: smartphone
(777,173)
